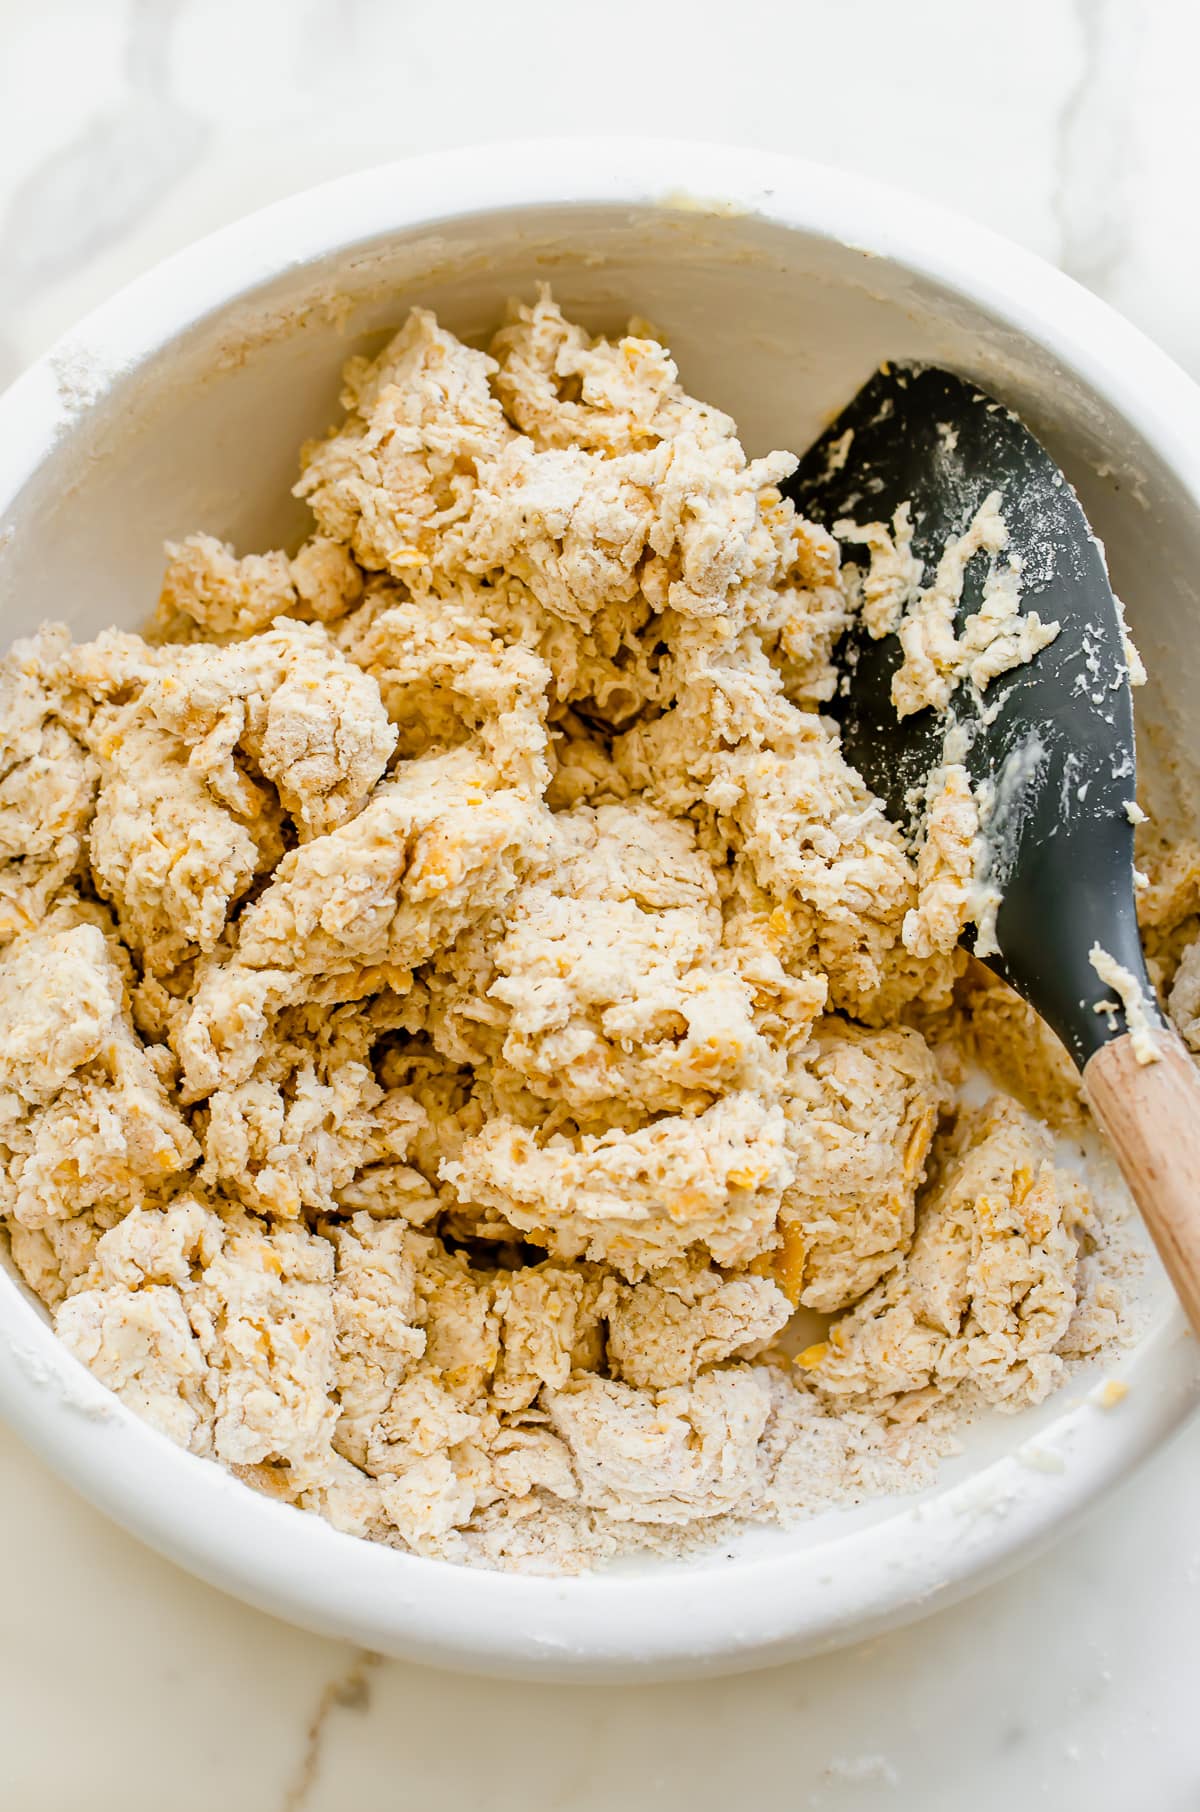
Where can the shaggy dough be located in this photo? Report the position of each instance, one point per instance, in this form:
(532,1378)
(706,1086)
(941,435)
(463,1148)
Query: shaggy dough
(995,638)
(462,1021)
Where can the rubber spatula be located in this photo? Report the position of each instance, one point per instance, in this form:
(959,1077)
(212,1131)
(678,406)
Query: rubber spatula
(1052,739)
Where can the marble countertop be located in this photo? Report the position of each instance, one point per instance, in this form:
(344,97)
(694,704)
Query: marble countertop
(127,127)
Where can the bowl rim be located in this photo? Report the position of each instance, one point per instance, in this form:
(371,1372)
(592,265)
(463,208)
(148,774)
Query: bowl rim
(679,1619)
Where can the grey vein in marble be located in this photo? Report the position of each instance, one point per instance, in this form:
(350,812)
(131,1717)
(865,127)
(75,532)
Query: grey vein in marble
(1096,151)
(104,180)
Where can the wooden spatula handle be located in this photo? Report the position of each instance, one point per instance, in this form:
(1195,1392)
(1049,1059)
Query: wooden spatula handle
(1150,1114)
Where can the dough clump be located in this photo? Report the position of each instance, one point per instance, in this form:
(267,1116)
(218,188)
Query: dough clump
(475,1060)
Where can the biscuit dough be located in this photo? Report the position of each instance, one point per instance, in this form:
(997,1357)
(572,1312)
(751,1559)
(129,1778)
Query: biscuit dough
(995,638)
(474,1058)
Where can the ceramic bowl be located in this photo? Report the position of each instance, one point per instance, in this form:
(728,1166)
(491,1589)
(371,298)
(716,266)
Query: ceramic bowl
(779,285)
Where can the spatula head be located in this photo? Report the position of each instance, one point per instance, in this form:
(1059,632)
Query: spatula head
(1055,737)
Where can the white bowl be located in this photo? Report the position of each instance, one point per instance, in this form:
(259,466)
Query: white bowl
(779,285)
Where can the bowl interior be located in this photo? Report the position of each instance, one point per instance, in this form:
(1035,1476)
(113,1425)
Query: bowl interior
(776,325)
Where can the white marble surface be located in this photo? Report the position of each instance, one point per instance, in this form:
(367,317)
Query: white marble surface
(127,127)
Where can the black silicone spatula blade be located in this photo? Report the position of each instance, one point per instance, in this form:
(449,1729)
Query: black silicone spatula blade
(1055,738)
